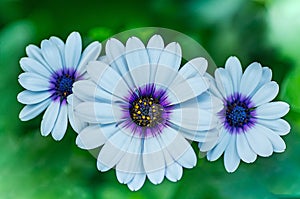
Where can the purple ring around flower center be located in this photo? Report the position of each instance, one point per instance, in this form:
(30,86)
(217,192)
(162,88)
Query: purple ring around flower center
(238,114)
(147,112)
(61,83)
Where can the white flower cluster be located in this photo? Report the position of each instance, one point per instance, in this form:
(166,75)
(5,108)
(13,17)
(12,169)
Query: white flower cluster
(141,108)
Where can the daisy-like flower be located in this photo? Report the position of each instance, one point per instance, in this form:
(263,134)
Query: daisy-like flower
(249,123)
(141,110)
(49,74)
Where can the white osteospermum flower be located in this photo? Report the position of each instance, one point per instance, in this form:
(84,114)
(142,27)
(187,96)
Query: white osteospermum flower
(49,74)
(140,109)
(249,124)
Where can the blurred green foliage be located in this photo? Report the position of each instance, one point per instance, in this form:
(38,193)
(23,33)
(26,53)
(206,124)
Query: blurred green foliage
(32,166)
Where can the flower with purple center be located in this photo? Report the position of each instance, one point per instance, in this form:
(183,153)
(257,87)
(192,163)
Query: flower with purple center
(49,75)
(141,109)
(249,123)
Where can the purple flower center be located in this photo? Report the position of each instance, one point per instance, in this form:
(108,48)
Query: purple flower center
(148,110)
(239,113)
(62,83)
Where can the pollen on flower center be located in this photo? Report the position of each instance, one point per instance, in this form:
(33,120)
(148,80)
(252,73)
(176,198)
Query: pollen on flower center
(62,83)
(146,112)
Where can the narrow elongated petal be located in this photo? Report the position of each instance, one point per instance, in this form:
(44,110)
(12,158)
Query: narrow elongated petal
(49,118)
(32,97)
(234,67)
(73,50)
(272,110)
(33,110)
(250,78)
(61,123)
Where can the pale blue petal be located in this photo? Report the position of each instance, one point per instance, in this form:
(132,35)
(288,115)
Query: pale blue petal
(90,137)
(265,94)
(90,53)
(51,54)
(153,160)
(94,112)
(279,126)
(185,89)
(87,90)
(265,77)
(250,78)
(174,172)
(114,149)
(137,56)
(171,56)
(218,150)
(31,111)
(76,123)
(49,118)
(259,142)
(31,65)
(231,157)
(224,82)
(194,67)
(192,118)
(32,97)
(234,67)
(272,110)
(244,150)
(33,82)
(61,123)
(277,142)
(154,48)
(35,53)
(61,47)
(137,182)
(73,50)
(108,79)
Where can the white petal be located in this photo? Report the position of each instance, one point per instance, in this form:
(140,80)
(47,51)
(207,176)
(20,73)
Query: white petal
(250,78)
(61,123)
(153,160)
(95,112)
(279,126)
(165,75)
(90,53)
(218,150)
(171,56)
(107,78)
(174,172)
(210,140)
(193,67)
(259,142)
(31,65)
(265,94)
(231,157)
(213,89)
(51,55)
(124,177)
(35,53)
(224,82)
(234,67)
(61,47)
(49,118)
(73,50)
(137,56)
(32,97)
(272,110)
(137,182)
(243,149)
(31,111)
(87,90)
(33,82)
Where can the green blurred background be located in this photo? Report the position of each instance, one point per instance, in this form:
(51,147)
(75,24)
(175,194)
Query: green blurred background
(32,166)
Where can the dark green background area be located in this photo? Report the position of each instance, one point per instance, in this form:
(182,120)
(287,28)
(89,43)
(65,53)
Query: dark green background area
(32,166)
